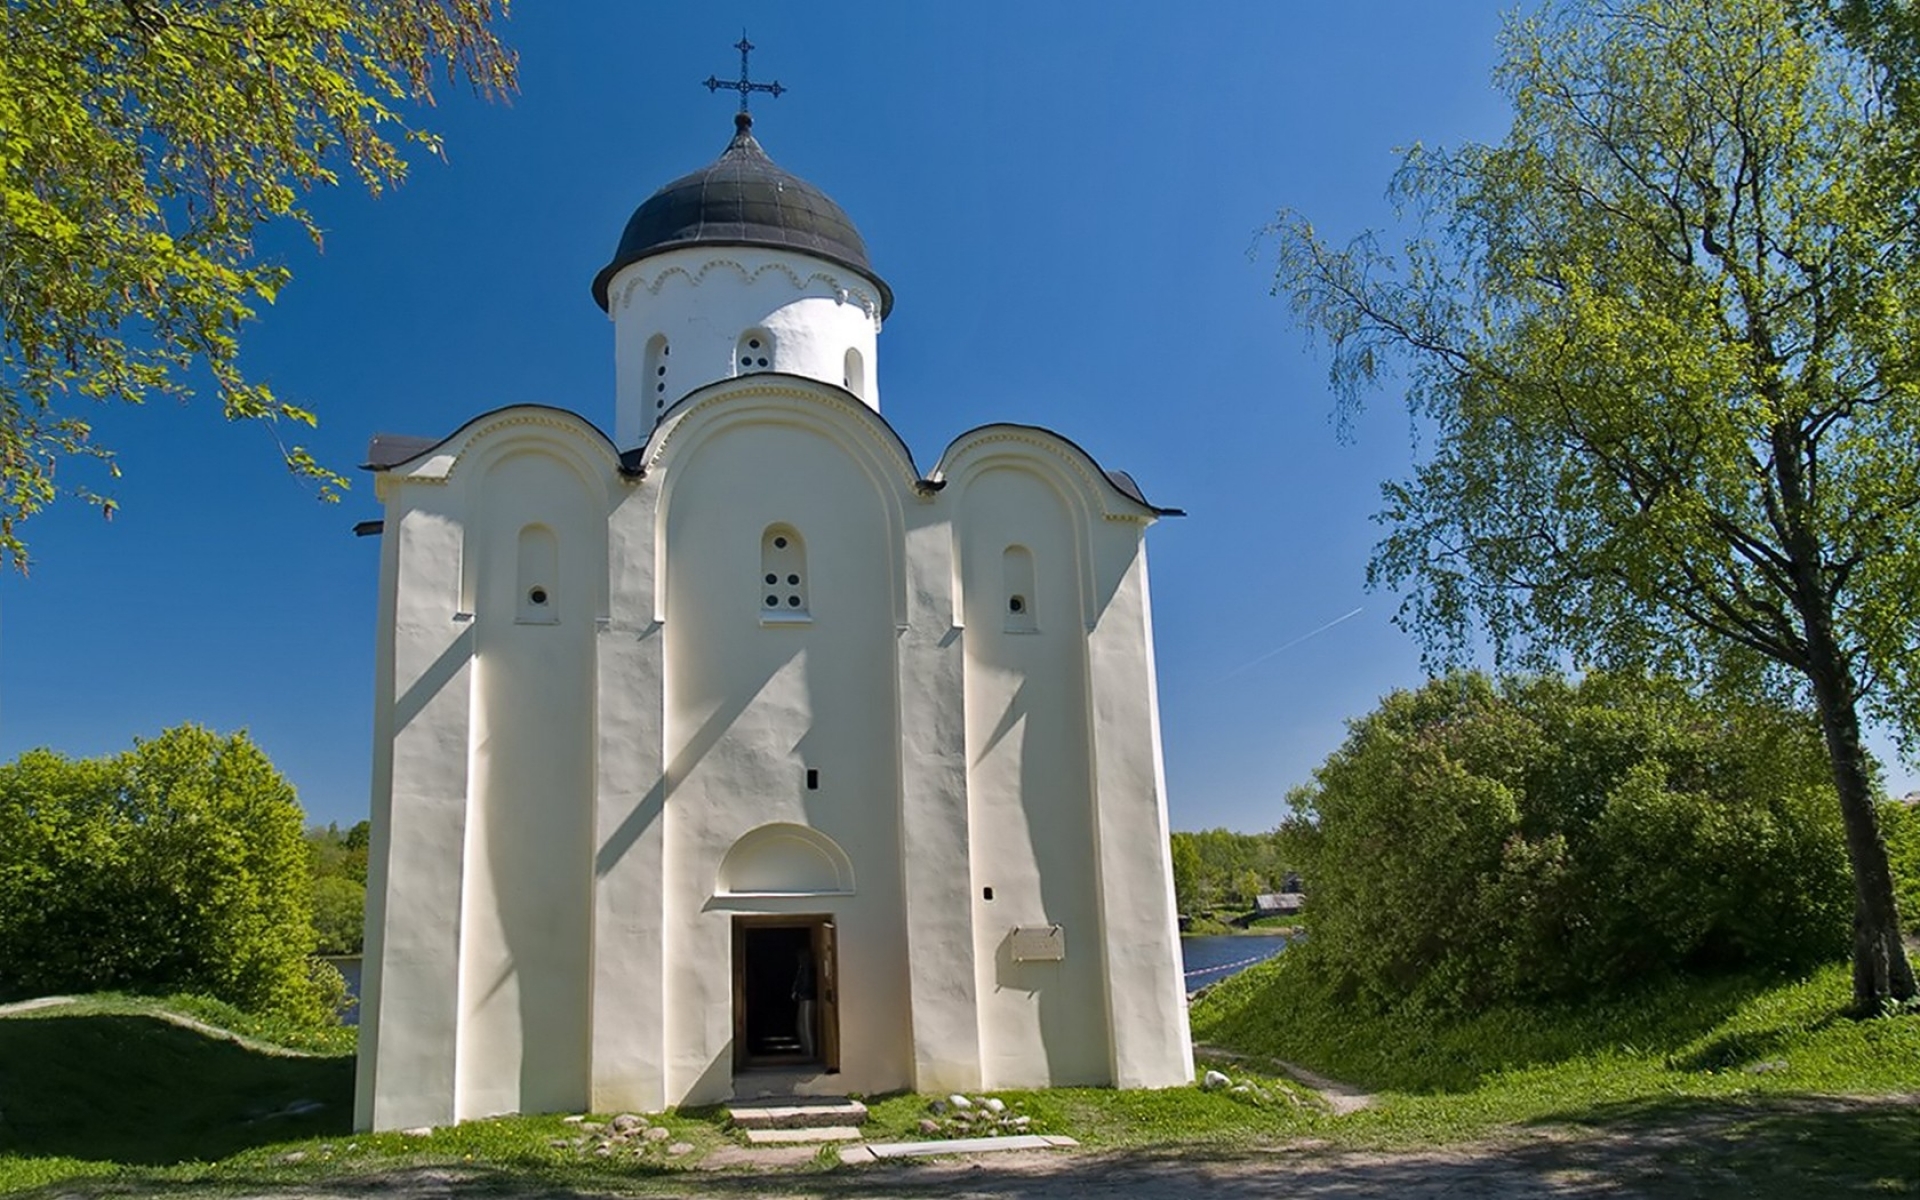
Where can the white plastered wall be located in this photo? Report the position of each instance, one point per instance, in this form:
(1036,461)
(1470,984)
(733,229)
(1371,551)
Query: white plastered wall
(1070,712)
(478,966)
(949,760)
(701,299)
(1030,791)
(755,701)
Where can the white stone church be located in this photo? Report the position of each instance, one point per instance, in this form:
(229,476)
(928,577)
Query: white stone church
(737,750)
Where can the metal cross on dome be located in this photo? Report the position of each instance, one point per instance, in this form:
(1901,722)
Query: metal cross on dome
(743,86)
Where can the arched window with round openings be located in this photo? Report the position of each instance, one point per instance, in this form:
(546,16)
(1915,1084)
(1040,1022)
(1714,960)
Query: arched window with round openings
(854,374)
(659,356)
(783,575)
(1016,574)
(754,353)
(539,571)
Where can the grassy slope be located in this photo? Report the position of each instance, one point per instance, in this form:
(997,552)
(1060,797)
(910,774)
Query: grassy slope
(1743,1047)
(1743,1069)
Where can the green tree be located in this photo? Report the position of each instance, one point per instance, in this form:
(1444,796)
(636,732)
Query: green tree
(1472,843)
(1666,340)
(339,913)
(145,142)
(1186,873)
(1887,32)
(175,866)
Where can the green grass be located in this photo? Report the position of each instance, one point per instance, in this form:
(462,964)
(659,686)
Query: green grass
(1733,1039)
(1758,1084)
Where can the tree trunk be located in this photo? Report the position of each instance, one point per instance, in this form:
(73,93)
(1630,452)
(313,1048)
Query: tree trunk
(1880,969)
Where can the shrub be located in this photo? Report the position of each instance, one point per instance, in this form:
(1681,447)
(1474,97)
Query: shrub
(177,866)
(1474,843)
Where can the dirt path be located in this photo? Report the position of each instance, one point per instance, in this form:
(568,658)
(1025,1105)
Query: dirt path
(1544,1167)
(1784,1149)
(1340,1097)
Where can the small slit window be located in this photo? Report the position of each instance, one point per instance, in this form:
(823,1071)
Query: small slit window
(783,575)
(1016,572)
(539,568)
(754,352)
(659,354)
(854,376)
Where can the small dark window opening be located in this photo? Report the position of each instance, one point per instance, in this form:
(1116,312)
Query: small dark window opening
(813,779)
(537,595)
(986,893)
(779,543)
(773,602)
(1016,604)
(793,602)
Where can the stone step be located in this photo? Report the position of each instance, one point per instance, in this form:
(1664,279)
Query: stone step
(788,1137)
(797,1112)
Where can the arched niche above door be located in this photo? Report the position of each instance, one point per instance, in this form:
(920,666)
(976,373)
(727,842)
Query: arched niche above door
(785,860)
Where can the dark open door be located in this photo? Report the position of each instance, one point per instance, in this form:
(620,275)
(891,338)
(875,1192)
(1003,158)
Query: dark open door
(826,958)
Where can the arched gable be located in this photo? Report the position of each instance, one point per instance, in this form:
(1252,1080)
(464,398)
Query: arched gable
(774,398)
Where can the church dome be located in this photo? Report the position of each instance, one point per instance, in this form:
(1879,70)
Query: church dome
(742,199)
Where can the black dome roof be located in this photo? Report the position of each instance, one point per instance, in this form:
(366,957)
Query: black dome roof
(742,199)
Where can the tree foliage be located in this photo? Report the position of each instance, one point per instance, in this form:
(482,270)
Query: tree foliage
(1473,844)
(338,862)
(1217,868)
(145,142)
(1664,343)
(177,866)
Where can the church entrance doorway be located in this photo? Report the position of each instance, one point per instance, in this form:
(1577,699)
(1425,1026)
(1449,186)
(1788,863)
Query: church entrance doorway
(786,976)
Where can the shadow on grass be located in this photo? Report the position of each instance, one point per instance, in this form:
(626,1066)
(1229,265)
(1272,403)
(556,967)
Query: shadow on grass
(142,1091)
(1786,1146)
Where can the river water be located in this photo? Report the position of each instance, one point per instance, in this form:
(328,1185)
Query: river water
(1211,959)
(1206,960)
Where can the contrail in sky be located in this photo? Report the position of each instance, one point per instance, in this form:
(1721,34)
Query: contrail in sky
(1251,663)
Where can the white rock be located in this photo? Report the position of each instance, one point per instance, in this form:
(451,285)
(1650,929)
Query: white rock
(627,1123)
(995,1104)
(959,1101)
(657,1133)
(573,1120)
(680,1148)
(1213,1081)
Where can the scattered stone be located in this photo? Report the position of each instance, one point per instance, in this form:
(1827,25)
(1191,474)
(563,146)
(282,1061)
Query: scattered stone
(294,1157)
(573,1120)
(929,1126)
(418,1131)
(1213,1081)
(1239,1089)
(592,1126)
(960,1102)
(680,1148)
(995,1105)
(1771,1065)
(937,1107)
(628,1123)
(603,1152)
(559,1143)
(1020,1123)
(657,1133)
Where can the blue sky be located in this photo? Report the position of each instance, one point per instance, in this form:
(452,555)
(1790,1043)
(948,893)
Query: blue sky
(1066,200)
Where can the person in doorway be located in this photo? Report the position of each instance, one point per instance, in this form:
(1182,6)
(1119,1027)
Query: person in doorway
(803,998)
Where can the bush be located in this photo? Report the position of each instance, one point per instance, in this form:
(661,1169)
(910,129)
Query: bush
(177,866)
(1472,844)
(1900,829)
